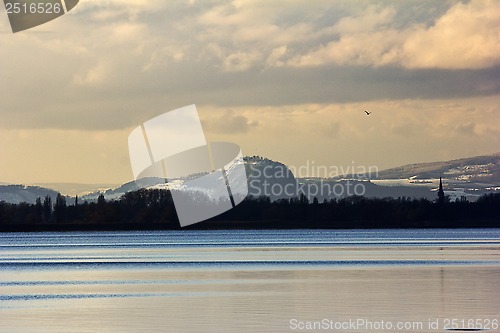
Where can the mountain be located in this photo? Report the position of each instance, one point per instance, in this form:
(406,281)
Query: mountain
(72,189)
(265,177)
(270,178)
(21,193)
(483,169)
(333,188)
(275,180)
(467,177)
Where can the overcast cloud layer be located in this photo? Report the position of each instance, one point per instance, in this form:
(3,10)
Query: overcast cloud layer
(108,66)
(109,63)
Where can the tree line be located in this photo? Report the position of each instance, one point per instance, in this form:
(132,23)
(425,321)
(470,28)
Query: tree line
(154,209)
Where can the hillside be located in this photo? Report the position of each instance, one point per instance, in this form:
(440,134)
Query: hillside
(466,177)
(483,169)
(21,193)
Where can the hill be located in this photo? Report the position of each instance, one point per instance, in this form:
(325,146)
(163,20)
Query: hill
(21,193)
(483,169)
(466,177)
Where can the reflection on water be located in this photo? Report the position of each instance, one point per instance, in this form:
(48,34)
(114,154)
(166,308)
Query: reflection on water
(255,281)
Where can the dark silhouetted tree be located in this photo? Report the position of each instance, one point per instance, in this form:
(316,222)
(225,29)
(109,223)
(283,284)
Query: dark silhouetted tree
(38,210)
(101,200)
(60,208)
(47,209)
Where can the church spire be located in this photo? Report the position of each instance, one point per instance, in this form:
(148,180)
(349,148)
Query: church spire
(440,192)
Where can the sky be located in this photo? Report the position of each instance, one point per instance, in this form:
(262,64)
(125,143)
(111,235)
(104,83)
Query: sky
(287,80)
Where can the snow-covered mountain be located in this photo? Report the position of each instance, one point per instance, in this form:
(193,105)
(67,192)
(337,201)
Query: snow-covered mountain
(275,180)
(265,177)
(479,169)
(466,177)
(469,177)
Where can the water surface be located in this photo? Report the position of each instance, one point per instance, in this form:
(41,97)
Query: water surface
(255,281)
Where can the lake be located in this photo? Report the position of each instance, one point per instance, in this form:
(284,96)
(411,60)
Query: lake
(251,281)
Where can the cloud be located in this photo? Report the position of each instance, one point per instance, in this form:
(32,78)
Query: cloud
(467,129)
(112,64)
(229,123)
(406,130)
(465,37)
(94,76)
(275,58)
(364,38)
(240,61)
(332,129)
(126,33)
(374,49)
(302,71)
(371,19)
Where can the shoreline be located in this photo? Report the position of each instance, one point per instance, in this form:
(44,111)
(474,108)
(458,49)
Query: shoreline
(247,225)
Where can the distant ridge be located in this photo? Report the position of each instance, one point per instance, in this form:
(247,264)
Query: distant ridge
(21,193)
(485,168)
(472,177)
(72,189)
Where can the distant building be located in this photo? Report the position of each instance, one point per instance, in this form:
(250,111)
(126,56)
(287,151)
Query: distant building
(441,197)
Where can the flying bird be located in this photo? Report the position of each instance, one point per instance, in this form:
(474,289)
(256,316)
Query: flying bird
(367,113)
